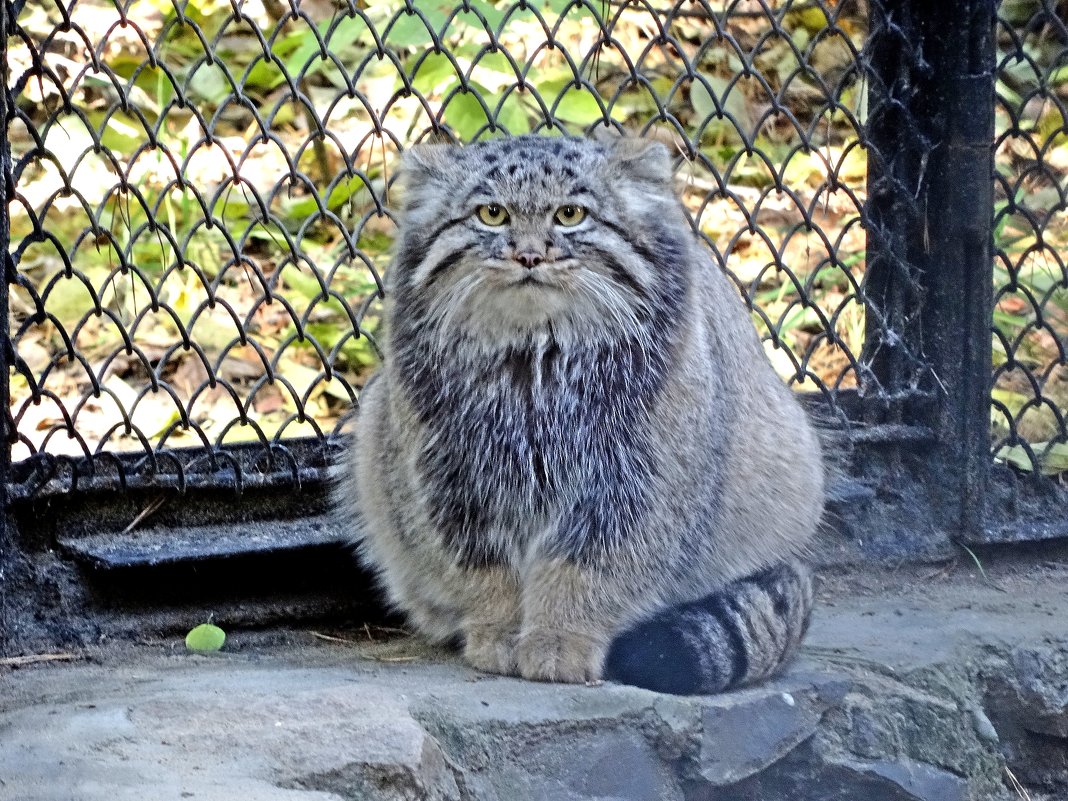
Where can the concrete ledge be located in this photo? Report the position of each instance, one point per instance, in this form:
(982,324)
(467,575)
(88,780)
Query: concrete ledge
(913,687)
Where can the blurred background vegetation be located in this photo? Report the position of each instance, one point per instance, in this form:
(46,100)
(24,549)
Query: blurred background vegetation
(201,217)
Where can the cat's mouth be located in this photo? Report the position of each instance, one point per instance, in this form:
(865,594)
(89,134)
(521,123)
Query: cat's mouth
(536,279)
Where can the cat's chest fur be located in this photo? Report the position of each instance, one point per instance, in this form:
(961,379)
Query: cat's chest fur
(527,438)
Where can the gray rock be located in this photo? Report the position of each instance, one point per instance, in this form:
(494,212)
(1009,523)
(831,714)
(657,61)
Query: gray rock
(1041,681)
(916,781)
(551,743)
(1025,695)
(918,696)
(744,732)
(213,731)
(984,728)
(807,774)
(616,765)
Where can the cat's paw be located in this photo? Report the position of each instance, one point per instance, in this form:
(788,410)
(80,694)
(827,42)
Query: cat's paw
(545,654)
(491,649)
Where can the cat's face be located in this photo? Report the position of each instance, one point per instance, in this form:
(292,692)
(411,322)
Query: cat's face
(510,237)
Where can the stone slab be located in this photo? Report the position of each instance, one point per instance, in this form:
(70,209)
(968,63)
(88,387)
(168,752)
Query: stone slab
(888,701)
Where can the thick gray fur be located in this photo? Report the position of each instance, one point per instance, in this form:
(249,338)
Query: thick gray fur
(576,456)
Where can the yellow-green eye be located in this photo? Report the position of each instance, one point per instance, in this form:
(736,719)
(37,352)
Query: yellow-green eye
(570,214)
(492,214)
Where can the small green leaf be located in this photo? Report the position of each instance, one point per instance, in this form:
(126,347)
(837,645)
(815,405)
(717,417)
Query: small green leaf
(493,16)
(264,75)
(513,116)
(435,70)
(69,299)
(307,286)
(1052,457)
(579,107)
(410,29)
(465,115)
(205,638)
(209,83)
(705,93)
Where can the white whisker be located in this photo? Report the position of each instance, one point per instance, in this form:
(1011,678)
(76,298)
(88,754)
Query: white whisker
(609,301)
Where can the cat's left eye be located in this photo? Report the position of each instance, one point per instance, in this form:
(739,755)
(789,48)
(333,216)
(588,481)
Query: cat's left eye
(570,214)
(492,214)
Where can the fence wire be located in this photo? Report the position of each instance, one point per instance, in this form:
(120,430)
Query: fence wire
(201,208)
(1030,386)
(200,199)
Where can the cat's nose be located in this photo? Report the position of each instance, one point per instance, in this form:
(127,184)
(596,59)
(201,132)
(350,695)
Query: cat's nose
(529,259)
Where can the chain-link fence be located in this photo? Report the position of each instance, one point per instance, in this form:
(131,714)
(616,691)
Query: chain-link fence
(199,207)
(1030,391)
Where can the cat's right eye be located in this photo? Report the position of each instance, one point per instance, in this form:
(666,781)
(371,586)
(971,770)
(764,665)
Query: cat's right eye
(492,214)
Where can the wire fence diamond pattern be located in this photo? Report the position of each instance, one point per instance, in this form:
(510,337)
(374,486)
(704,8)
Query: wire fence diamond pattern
(1030,389)
(202,191)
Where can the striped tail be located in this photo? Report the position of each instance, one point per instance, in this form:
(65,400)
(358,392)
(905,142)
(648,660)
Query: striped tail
(735,636)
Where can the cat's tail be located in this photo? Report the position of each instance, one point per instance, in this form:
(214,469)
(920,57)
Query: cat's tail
(738,635)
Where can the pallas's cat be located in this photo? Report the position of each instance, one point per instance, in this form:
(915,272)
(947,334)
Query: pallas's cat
(576,459)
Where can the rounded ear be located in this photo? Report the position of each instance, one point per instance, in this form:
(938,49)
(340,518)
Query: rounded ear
(642,158)
(428,159)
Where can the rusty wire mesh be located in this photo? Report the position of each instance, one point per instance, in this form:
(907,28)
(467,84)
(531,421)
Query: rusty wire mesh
(200,217)
(1030,387)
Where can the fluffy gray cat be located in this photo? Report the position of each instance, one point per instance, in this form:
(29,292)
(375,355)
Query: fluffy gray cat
(576,459)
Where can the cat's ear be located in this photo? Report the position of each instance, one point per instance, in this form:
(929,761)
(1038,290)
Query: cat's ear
(643,158)
(427,159)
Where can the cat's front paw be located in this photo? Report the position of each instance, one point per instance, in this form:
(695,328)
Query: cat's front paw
(545,654)
(491,649)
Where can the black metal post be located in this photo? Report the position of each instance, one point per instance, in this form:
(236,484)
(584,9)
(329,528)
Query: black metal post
(930,247)
(7,351)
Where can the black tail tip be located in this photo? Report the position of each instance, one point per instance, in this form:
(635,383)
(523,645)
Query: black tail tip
(654,656)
